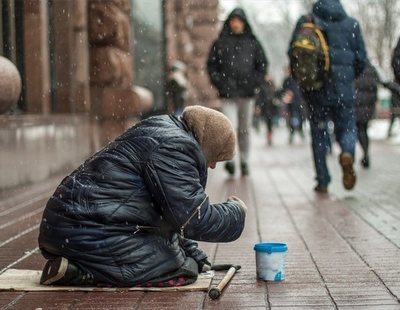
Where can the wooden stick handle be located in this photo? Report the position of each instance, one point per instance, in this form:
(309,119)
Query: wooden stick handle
(227,278)
(215,292)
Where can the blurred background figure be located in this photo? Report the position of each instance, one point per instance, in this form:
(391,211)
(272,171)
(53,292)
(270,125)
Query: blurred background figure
(266,108)
(395,109)
(176,88)
(366,97)
(236,66)
(292,98)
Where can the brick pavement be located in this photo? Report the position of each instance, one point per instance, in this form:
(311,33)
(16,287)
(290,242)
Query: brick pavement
(344,248)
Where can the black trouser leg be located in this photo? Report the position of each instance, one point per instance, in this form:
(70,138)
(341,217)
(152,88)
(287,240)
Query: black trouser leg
(363,138)
(268,122)
(392,117)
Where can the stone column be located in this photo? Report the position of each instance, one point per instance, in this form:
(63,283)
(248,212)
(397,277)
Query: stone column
(36,56)
(80,86)
(71,56)
(111,73)
(190,28)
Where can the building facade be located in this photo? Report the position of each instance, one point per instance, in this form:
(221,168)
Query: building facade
(77,65)
(190,28)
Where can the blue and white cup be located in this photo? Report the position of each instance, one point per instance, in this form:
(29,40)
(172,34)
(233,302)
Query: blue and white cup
(270,261)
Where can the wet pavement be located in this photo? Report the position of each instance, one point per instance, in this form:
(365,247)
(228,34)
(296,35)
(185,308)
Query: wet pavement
(344,247)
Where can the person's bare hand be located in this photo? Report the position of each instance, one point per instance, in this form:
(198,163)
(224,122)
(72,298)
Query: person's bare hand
(288,97)
(241,203)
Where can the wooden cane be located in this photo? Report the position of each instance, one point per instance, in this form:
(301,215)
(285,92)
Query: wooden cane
(216,291)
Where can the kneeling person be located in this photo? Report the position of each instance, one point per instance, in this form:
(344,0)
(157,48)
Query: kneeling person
(129,214)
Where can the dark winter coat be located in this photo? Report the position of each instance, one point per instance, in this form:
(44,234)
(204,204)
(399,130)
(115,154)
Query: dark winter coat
(119,214)
(236,63)
(396,71)
(295,108)
(265,99)
(176,94)
(366,94)
(346,50)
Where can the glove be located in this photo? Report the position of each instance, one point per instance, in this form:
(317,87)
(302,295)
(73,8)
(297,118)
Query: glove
(204,265)
(241,203)
(192,250)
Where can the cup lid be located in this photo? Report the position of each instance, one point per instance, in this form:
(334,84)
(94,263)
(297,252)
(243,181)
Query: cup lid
(270,247)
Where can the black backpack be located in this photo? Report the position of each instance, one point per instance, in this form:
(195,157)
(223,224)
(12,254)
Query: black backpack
(309,56)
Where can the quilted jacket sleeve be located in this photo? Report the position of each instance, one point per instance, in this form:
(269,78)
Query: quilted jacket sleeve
(173,178)
(213,65)
(359,52)
(260,63)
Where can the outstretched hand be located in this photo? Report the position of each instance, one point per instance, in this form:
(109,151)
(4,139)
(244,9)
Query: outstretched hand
(241,203)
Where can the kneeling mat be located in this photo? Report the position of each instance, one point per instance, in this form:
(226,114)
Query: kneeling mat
(28,280)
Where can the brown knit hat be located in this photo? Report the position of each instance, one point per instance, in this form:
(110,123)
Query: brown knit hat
(213,131)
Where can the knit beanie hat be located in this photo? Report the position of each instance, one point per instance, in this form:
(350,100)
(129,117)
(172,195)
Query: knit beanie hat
(213,130)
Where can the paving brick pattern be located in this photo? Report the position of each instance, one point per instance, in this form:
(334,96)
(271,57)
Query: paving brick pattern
(344,248)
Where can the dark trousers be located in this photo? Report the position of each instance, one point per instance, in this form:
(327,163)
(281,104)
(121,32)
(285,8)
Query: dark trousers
(269,123)
(343,116)
(391,122)
(363,138)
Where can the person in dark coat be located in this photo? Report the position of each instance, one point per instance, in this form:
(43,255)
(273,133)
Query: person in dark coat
(366,97)
(236,67)
(395,108)
(294,102)
(129,214)
(176,88)
(265,106)
(336,99)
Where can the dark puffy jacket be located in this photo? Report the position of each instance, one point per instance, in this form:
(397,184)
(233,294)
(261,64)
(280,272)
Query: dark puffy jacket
(346,50)
(265,99)
(236,63)
(396,71)
(396,62)
(295,108)
(366,94)
(119,214)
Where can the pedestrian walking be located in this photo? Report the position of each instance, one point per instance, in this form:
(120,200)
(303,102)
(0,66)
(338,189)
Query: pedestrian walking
(176,88)
(266,107)
(294,105)
(236,67)
(395,108)
(333,97)
(129,214)
(366,97)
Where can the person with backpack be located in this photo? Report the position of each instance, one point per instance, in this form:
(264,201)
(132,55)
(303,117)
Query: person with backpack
(327,54)
(236,67)
(366,97)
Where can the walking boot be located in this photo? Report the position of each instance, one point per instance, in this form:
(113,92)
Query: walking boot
(60,271)
(349,175)
(320,189)
(230,167)
(365,162)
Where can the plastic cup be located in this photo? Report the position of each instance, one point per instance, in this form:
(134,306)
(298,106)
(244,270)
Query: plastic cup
(270,261)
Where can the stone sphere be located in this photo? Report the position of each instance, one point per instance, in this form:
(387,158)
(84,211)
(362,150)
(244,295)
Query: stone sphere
(10,84)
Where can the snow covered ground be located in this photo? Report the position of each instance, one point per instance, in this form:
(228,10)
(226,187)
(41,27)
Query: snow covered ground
(378,130)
